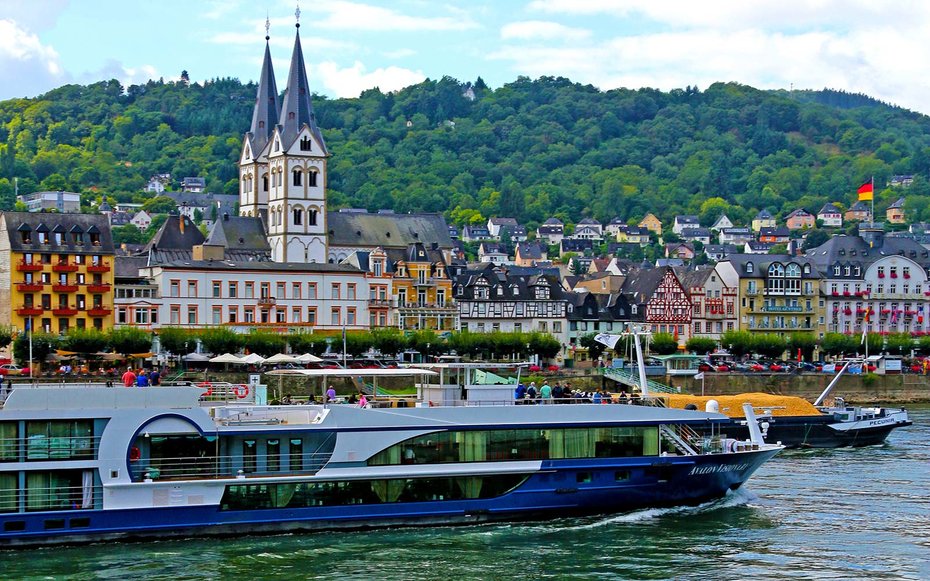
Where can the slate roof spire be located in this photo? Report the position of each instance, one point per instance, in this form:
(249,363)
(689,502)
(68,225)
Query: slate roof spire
(296,108)
(267,108)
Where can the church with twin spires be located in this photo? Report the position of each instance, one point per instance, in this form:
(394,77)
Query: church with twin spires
(282,169)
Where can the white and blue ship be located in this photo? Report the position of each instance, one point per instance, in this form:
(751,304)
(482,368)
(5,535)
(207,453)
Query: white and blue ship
(94,463)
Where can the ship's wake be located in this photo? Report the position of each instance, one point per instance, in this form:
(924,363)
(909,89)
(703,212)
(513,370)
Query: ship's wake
(740,497)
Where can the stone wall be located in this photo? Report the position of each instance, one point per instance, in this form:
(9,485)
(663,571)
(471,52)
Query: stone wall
(870,388)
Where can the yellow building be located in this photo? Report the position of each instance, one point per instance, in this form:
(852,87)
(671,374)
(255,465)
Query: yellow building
(777,293)
(56,270)
(422,289)
(895,212)
(650,222)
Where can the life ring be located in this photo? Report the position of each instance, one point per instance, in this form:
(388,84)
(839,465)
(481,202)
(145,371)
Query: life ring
(207,386)
(135,454)
(241,391)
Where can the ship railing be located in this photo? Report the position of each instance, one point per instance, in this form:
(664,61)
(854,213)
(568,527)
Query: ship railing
(384,402)
(214,467)
(45,447)
(53,498)
(675,435)
(630,378)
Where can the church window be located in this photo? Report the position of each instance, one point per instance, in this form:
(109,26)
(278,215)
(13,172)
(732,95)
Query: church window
(298,216)
(311,179)
(297,173)
(290,116)
(311,217)
(305,144)
(261,124)
(265,183)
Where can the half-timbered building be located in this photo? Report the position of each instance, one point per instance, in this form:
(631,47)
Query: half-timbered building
(657,298)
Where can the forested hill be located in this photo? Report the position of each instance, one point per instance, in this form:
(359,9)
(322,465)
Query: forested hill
(530,149)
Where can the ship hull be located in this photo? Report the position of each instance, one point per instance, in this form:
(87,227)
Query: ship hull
(558,489)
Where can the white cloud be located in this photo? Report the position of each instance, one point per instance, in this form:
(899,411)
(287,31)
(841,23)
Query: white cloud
(345,15)
(730,14)
(400,53)
(351,81)
(541,29)
(114,69)
(852,61)
(35,66)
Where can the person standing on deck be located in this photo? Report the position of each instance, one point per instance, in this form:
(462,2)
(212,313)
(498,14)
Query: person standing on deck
(129,378)
(331,395)
(545,392)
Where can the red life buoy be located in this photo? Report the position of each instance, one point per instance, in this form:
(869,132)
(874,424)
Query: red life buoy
(135,454)
(241,391)
(206,385)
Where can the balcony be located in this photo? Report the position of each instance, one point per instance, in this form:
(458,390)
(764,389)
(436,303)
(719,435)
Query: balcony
(98,288)
(424,305)
(64,267)
(29,266)
(65,288)
(64,311)
(98,311)
(29,287)
(30,311)
(379,303)
(267,301)
(99,267)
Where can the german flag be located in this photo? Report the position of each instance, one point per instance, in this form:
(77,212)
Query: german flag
(865,192)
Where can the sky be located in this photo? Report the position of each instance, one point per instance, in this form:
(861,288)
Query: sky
(874,47)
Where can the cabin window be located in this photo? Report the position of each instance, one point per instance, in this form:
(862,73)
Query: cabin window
(60,490)
(296,453)
(9,441)
(249,456)
(273,455)
(352,492)
(59,440)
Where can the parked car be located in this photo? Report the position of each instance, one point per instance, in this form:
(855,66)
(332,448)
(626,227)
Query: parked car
(777,367)
(13,369)
(755,366)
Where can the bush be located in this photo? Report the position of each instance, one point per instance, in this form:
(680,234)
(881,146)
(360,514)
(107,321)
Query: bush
(701,345)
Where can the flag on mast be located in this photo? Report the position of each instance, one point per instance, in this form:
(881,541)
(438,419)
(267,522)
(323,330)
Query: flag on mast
(866,192)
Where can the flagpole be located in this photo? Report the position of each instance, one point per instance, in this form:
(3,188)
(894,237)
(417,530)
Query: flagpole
(873,201)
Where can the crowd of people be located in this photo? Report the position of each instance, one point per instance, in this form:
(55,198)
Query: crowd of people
(144,378)
(563,393)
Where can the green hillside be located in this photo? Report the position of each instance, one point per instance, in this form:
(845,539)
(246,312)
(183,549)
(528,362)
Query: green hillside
(530,149)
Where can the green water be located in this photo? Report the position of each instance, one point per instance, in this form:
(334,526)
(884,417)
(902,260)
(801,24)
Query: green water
(830,514)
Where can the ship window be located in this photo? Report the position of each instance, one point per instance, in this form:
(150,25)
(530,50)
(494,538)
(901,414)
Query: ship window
(60,490)
(9,441)
(498,445)
(379,491)
(583,478)
(14,526)
(9,492)
(296,450)
(249,456)
(621,475)
(80,522)
(54,523)
(273,455)
(59,440)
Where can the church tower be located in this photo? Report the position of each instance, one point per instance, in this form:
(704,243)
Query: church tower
(254,180)
(297,159)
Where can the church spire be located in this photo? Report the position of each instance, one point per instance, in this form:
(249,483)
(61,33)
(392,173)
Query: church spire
(296,108)
(267,109)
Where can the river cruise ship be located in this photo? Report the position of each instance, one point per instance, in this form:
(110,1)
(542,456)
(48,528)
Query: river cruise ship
(86,464)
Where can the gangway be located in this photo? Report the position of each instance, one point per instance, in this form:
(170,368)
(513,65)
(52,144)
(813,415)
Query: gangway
(631,379)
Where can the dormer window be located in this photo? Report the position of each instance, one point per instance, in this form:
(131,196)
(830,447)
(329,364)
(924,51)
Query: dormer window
(500,291)
(807,269)
(305,144)
(836,270)
(27,237)
(749,268)
(542,292)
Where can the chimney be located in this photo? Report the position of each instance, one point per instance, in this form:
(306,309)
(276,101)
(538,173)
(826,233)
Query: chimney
(181,223)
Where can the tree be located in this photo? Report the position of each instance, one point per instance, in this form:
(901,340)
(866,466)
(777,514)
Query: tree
(426,342)
(900,343)
(160,205)
(769,345)
(594,348)
(219,340)
(177,340)
(701,345)
(814,239)
(313,343)
(43,344)
(806,342)
(264,343)
(837,344)
(738,343)
(6,335)
(389,342)
(87,340)
(663,344)
(357,343)
(129,340)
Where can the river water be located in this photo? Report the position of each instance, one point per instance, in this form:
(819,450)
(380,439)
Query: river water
(829,514)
